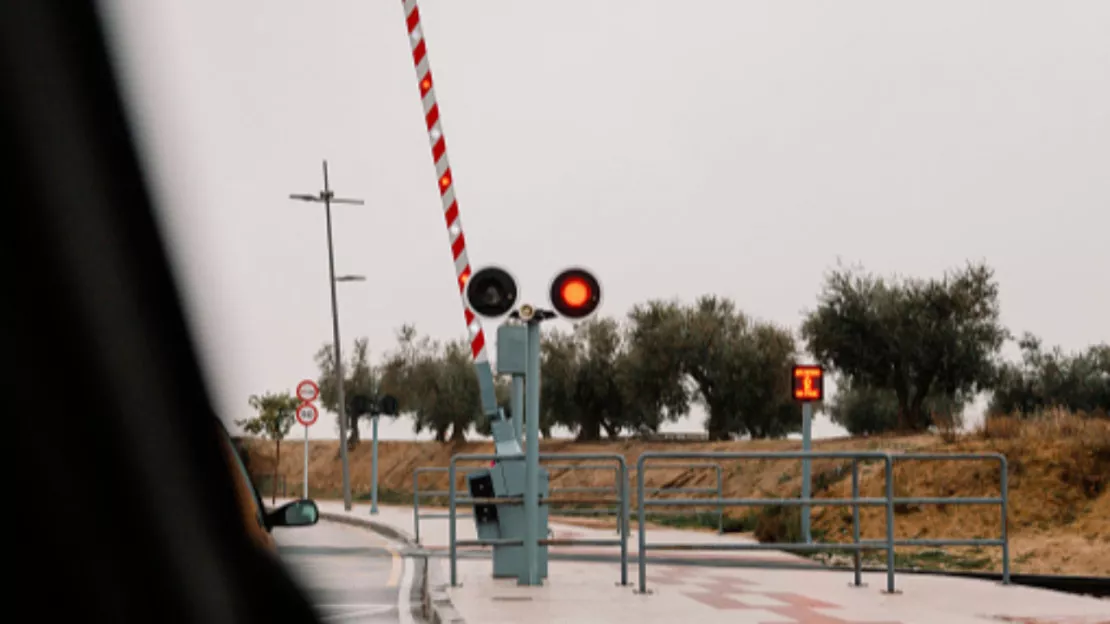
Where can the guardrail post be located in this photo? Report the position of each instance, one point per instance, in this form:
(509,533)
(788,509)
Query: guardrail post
(641,547)
(720,495)
(889,524)
(451,526)
(1005,485)
(857,555)
(416,505)
(618,485)
(622,521)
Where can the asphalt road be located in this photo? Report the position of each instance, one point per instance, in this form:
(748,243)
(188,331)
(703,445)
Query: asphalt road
(352,575)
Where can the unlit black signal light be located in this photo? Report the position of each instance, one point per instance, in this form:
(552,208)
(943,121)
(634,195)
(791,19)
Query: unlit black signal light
(575,293)
(491,292)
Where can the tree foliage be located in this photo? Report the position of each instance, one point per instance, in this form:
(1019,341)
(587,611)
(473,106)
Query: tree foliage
(741,369)
(1052,378)
(359,378)
(437,385)
(908,354)
(581,380)
(275,417)
(917,338)
(654,370)
(866,410)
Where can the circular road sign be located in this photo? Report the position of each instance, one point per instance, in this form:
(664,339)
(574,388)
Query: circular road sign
(308,391)
(307,414)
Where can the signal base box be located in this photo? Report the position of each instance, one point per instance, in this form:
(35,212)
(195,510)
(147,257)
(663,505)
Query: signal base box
(507,480)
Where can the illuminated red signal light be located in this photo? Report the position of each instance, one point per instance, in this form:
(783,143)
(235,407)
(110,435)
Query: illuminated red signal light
(575,293)
(809,383)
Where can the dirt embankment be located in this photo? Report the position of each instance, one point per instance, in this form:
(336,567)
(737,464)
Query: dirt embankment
(1059,488)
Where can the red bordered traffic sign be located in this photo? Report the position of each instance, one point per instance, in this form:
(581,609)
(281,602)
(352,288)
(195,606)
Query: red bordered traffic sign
(308,391)
(307,414)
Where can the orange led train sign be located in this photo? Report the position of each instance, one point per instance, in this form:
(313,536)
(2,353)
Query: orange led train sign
(809,383)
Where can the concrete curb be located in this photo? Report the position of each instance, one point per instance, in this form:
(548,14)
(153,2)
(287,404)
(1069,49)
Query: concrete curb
(434,599)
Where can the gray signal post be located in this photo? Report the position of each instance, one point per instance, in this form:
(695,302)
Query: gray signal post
(327,197)
(532,450)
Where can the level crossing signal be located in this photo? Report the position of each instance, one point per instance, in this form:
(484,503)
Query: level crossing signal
(575,293)
(492,292)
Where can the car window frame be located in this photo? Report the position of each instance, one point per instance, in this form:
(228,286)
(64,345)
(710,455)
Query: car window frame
(259,506)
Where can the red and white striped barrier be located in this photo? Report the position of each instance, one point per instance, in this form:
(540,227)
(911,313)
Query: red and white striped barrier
(446,185)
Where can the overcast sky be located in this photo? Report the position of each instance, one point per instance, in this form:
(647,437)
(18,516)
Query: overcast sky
(726,146)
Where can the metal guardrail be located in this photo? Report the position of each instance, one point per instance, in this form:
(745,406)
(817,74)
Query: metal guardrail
(615,489)
(889,501)
(417,495)
(454,501)
(1002,500)
(719,490)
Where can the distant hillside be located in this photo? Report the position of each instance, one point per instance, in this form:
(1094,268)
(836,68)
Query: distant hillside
(1059,473)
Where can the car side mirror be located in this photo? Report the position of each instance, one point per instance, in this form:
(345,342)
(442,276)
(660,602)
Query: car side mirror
(297,513)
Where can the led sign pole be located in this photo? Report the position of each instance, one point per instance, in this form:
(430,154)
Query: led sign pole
(809,384)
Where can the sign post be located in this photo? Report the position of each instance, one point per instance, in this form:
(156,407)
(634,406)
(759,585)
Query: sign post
(809,386)
(389,406)
(307,392)
(374,470)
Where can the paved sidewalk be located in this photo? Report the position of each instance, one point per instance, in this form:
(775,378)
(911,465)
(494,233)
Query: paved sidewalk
(585,593)
(434,537)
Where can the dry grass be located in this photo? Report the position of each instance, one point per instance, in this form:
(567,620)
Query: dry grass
(1059,516)
(1059,472)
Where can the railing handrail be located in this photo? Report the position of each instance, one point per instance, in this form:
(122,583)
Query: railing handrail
(888,500)
(622,494)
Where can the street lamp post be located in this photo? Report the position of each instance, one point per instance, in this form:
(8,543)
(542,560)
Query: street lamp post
(327,197)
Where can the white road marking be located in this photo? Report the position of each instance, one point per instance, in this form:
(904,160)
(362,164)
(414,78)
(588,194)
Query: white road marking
(358,613)
(404,595)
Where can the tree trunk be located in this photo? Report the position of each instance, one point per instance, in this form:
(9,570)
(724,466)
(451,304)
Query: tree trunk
(717,425)
(589,431)
(611,431)
(277,461)
(903,407)
(458,434)
(441,434)
(354,433)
